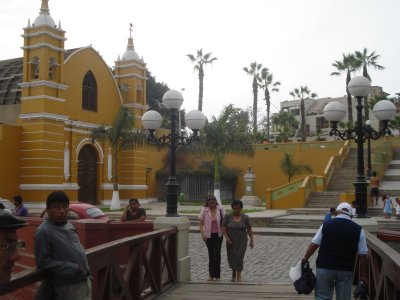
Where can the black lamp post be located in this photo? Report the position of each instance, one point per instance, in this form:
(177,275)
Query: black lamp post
(368,129)
(152,120)
(334,112)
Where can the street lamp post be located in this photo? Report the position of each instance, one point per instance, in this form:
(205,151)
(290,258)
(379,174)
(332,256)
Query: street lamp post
(152,120)
(369,167)
(384,110)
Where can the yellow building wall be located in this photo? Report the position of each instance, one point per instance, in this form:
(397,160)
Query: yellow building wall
(9,160)
(267,158)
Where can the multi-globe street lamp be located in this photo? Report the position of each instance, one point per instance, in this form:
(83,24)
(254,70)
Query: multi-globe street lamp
(384,111)
(152,120)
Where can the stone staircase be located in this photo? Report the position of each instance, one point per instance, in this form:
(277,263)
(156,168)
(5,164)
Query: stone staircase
(341,182)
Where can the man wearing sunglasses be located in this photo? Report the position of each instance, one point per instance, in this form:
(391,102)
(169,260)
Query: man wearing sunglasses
(9,244)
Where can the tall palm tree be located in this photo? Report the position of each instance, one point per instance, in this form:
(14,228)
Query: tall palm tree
(366,60)
(267,84)
(199,61)
(254,71)
(303,93)
(121,135)
(290,168)
(286,123)
(228,134)
(347,65)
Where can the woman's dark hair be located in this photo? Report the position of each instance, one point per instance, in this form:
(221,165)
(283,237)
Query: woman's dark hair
(18,199)
(210,197)
(134,200)
(57,197)
(2,206)
(237,202)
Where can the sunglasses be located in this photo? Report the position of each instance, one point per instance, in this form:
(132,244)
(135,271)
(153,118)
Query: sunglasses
(11,247)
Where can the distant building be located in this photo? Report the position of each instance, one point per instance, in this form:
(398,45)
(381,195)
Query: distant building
(314,114)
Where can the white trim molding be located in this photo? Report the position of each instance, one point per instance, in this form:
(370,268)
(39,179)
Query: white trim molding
(43,83)
(96,144)
(135,105)
(43,115)
(41,45)
(40,97)
(49,187)
(45,32)
(130,75)
(109,186)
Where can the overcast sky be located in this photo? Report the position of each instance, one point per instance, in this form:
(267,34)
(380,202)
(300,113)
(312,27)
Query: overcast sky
(297,40)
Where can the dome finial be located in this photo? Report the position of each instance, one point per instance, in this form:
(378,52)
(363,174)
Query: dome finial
(130,30)
(44,9)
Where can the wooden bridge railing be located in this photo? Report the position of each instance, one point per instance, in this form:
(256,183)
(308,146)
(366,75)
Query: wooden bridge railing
(128,268)
(384,270)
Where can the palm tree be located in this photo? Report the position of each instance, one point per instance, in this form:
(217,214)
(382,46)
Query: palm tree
(286,123)
(348,65)
(228,134)
(268,83)
(368,60)
(254,71)
(303,93)
(290,168)
(120,136)
(199,61)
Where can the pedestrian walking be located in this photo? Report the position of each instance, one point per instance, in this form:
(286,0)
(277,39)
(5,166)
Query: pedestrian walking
(59,252)
(211,216)
(236,227)
(387,207)
(339,241)
(374,182)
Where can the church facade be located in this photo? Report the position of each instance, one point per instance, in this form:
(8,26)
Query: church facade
(50,100)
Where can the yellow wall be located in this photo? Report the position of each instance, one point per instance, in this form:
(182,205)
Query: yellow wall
(266,163)
(9,160)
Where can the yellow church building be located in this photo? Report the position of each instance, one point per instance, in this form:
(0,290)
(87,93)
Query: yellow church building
(50,100)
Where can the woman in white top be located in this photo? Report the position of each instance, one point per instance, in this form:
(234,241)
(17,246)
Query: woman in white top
(211,216)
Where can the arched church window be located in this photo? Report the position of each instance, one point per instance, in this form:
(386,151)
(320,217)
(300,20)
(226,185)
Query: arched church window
(89,92)
(34,67)
(52,69)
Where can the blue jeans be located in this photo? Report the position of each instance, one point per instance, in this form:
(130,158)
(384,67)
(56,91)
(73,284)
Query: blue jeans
(328,279)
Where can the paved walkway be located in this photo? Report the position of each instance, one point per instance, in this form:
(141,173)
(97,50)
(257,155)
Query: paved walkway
(268,262)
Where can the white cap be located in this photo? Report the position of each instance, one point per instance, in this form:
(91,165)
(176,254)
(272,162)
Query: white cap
(345,208)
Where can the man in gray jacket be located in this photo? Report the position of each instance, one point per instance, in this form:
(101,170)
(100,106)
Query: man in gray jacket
(59,252)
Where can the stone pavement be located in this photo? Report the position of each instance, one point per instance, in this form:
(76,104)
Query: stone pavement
(268,262)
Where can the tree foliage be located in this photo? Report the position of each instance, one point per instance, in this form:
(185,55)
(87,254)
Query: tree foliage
(227,134)
(303,93)
(254,70)
(121,135)
(199,61)
(291,169)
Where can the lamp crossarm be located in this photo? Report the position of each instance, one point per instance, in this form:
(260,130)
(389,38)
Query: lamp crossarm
(165,140)
(348,134)
(370,133)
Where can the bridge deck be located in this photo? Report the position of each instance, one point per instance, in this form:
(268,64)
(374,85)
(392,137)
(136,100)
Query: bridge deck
(228,291)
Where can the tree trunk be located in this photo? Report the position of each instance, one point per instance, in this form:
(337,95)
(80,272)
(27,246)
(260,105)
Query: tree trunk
(268,103)
(255,100)
(201,78)
(217,188)
(303,120)
(349,101)
(115,202)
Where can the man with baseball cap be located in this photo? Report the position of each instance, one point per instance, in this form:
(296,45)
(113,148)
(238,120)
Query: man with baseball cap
(9,244)
(338,241)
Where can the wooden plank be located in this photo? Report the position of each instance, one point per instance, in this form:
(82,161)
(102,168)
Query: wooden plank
(222,291)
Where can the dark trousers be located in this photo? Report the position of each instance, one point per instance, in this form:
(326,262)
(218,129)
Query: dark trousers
(214,255)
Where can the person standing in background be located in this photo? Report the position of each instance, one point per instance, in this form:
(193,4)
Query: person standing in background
(374,182)
(20,210)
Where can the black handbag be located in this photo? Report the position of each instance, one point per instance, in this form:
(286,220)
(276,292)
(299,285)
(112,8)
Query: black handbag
(306,283)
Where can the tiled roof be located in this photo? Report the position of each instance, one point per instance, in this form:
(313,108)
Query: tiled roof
(11,76)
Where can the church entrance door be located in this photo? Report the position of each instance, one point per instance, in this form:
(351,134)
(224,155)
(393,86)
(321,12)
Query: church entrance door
(87,175)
